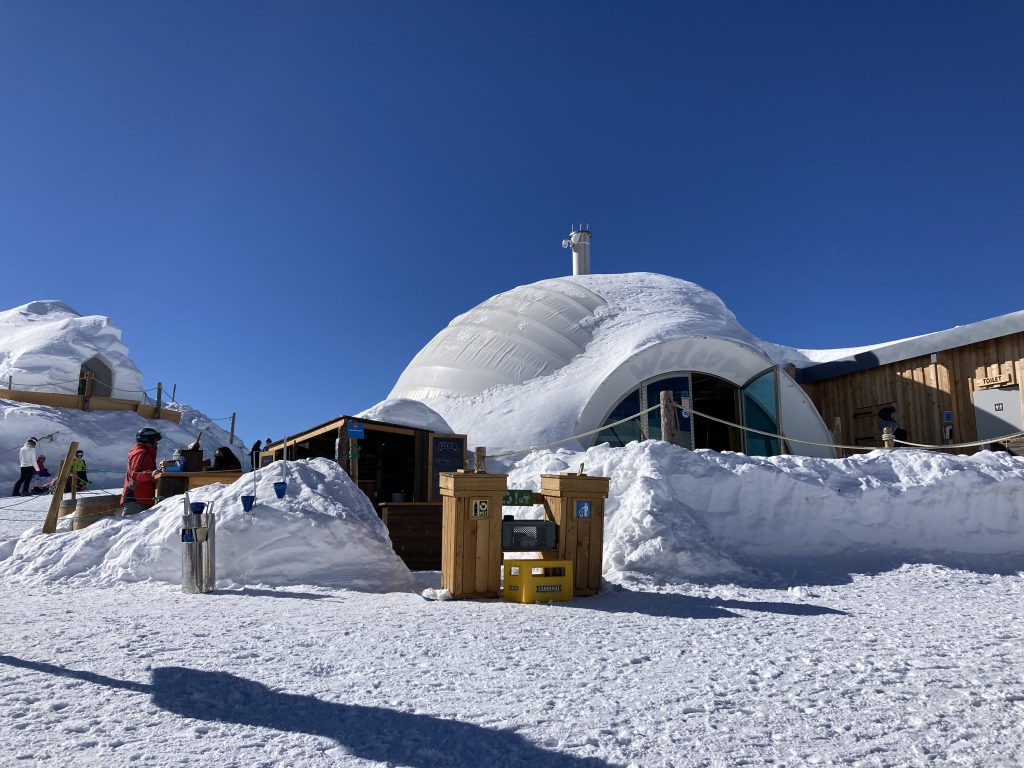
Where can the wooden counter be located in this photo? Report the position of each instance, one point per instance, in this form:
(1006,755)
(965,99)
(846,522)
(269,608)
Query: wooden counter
(175,483)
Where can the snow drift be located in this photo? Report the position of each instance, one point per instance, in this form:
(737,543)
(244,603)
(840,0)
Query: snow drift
(324,531)
(675,515)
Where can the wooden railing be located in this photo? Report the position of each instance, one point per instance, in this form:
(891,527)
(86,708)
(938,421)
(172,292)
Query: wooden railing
(81,403)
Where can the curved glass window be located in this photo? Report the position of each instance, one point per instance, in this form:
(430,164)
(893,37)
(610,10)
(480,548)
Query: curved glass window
(755,405)
(623,433)
(761,411)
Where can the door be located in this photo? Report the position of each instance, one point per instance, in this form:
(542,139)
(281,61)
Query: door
(997,412)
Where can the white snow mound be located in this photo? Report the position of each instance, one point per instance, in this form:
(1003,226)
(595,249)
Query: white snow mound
(324,532)
(44,343)
(408,413)
(675,515)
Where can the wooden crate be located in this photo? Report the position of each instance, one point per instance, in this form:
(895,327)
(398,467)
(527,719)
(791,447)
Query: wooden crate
(415,530)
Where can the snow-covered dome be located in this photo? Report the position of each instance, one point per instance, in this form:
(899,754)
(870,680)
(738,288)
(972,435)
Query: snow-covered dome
(559,357)
(45,345)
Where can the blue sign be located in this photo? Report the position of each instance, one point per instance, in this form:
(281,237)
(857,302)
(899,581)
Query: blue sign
(355,429)
(584,510)
(947,416)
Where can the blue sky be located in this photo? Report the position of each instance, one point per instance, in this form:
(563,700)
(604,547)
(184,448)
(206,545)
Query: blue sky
(280,203)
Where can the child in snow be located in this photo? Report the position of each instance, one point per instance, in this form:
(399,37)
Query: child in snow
(79,470)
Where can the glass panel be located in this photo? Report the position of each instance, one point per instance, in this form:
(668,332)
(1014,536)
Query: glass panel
(679,386)
(623,433)
(760,411)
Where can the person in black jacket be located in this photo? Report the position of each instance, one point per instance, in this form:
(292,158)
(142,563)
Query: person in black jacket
(225,460)
(254,454)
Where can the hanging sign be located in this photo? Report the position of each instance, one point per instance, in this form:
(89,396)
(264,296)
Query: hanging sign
(584,510)
(515,497)
(355,429)
(993,381)
(478,508)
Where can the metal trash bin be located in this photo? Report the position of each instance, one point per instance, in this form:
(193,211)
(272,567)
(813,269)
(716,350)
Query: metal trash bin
(527,535)
(198,553)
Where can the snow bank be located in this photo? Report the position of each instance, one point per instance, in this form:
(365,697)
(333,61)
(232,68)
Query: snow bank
(675,514)
(323,532)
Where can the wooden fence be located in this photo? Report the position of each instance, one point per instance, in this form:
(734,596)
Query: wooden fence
(82,403)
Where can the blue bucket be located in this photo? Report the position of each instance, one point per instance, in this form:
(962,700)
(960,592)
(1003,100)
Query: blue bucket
(279,488)
(247,502)
(197,507)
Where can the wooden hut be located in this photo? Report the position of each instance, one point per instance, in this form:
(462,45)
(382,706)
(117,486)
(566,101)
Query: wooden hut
(396,466)
(955,386)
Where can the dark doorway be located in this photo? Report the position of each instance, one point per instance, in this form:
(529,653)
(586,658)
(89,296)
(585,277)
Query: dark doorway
(715,397)
(103,377)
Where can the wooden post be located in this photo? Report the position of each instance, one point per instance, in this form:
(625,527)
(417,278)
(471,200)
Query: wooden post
(50,525)
(10,382)
(231,438)
(888,440)
(837,437)
(480,459)
(353,460)
(667,422)
(159,397)
(174,391)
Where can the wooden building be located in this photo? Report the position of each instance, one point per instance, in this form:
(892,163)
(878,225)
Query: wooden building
(397,467)
(955,386)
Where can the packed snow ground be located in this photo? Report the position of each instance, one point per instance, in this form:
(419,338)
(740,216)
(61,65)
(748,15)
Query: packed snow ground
(671,665)
(917,666)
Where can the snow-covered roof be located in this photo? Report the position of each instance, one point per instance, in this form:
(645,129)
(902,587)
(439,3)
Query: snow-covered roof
(833,363)
(549,360)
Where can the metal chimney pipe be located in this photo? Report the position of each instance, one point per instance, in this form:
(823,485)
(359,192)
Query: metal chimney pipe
(579,241)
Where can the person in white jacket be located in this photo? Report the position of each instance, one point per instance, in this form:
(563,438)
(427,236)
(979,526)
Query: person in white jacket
(28,468)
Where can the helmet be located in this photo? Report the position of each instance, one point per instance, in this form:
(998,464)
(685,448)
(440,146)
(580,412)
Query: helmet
(147,436)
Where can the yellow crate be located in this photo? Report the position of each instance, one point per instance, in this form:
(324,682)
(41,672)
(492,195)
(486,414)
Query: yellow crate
(532,581)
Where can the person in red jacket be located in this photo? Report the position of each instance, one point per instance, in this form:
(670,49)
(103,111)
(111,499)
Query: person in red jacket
(139,486)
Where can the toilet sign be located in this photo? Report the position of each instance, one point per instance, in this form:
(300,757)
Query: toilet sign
(478,508)
(584,510)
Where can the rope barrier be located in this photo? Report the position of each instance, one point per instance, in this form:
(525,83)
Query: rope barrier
(759,432)
(44,437)
(575,437)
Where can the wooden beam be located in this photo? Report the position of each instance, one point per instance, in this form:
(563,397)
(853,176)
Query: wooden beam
(50,525)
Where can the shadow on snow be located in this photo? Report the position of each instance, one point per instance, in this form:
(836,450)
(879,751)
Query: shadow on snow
(675,606)
(373,733)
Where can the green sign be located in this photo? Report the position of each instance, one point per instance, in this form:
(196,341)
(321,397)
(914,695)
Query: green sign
(515,497)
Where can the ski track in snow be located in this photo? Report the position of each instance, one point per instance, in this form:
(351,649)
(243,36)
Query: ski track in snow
(915,666)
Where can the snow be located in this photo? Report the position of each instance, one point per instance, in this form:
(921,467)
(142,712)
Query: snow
(916,666)
(324,531)
(44,343)
(786,610)
(408,413)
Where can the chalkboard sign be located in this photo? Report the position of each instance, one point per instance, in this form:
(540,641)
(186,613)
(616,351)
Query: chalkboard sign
(447,454)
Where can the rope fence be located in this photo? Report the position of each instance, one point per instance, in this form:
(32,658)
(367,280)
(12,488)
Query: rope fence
(923,446)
